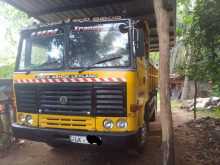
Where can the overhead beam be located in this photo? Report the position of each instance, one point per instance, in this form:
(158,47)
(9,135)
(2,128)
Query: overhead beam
(89,4)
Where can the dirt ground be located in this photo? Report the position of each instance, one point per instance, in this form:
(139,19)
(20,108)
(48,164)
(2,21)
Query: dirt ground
(32,153)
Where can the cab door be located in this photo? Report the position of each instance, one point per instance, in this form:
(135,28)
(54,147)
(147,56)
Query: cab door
(142,87)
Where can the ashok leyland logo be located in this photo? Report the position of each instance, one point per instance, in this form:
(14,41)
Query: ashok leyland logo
(63,100)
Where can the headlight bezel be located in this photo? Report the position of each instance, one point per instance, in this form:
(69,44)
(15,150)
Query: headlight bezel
(30,120)
(25,119)
(108,121)
(21,118)
(122,124)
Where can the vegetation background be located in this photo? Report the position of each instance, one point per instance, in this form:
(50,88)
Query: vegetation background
(12,21)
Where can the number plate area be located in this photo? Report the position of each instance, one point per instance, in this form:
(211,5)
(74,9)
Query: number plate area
(79,139)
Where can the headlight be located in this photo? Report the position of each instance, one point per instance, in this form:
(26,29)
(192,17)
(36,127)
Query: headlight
(121,123)
(108,124)
(21,118)
(25,119)
(29,120)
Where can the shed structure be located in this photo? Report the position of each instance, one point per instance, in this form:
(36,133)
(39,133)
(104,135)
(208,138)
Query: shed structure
(165,17)
(47,11)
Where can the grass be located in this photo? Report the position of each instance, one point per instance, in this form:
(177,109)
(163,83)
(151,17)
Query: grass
(175,104)
(214,113)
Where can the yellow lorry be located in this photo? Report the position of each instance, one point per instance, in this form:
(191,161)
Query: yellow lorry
(85,81)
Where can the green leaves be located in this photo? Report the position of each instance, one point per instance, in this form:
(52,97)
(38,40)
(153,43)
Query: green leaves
(12,20)
(6,71)
(198,27)
(204,41)
(184,16)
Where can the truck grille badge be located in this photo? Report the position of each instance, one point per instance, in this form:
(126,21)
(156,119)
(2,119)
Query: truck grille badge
(63,100)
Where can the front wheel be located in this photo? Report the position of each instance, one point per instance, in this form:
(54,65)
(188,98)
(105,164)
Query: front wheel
(143,137)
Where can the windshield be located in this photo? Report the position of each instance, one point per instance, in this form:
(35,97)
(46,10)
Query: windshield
(42,50)
(92,43)
(86,43)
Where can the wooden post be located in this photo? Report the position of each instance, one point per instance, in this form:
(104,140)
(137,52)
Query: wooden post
(163,25)
(195,99)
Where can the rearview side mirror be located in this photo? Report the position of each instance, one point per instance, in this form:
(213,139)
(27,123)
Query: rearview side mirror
(139,43)
(123,28)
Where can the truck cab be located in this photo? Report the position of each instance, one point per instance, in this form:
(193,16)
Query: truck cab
(85,81)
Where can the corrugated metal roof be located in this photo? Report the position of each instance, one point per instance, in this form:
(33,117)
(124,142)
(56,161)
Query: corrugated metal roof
(56,10)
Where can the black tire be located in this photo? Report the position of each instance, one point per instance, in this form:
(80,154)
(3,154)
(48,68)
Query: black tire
(143,135)
(154,116)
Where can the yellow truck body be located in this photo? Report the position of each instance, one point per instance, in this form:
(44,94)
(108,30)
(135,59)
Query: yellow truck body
(52,105)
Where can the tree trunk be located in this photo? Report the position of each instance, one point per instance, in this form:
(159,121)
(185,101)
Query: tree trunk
(163,22)
(185,91)
(195,99)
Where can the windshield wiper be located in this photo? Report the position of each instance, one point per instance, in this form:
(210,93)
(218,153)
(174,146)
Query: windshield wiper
(99,62)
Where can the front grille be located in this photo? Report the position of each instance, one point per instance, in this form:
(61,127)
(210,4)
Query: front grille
(26,99)
(67,122)
(110,100)
(79,100)
(86,99)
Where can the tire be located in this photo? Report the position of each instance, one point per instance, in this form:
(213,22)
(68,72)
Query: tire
(154,116)
(143,136)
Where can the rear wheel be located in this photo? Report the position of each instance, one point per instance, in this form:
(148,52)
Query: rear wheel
(154,116)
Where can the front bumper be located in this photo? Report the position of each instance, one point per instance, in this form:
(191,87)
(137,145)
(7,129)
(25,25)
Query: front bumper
(126,139)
